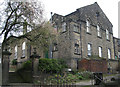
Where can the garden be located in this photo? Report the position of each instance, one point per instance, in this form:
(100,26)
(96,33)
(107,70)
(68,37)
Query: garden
(52,72)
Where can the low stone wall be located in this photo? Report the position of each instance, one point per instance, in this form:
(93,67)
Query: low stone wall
(113,65)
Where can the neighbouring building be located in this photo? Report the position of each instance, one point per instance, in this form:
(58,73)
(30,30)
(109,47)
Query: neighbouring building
(85,33)
(117,47)
(23,46)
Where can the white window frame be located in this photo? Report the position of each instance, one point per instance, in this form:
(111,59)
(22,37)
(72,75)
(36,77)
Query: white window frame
(107,34)
(109,53)
(89,49)
(64,27)
(23,49)
(98,31)
(100,51)
(88,26)
(16,52)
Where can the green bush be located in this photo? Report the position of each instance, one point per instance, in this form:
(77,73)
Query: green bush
(86,74)
(51,65)
(27,65)
(14,62)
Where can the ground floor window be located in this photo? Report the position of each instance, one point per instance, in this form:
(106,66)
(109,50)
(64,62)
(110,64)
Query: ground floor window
(100,51)
(109,54)
(89,49)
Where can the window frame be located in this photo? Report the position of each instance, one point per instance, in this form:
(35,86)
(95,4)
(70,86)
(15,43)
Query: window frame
(88,26)
(23,49)
(76,28)
(98,31)
(89,51)
(109,53)
(64,26)
(100,51)
(107,35)
(76,47)
(16,52)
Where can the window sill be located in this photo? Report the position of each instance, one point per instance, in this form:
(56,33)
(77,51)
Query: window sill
(22,57)
(89,33)
(108,40)
(54,50)
(76,32)
(77,53)
(99,37)
(63,32)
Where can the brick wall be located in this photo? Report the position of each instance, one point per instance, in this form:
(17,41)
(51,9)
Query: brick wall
(93,65)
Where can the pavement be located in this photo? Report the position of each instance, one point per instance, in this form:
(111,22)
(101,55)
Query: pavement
(106,79)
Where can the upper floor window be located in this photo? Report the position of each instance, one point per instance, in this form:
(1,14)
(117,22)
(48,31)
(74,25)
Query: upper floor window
(15,52)
(63,27)
(75,28)
(88,25)
(109,54)
(23,49)
(107,34)
(98,31)
(100,51)
(89,48)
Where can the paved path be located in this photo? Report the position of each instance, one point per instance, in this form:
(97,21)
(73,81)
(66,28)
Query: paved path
(91,82)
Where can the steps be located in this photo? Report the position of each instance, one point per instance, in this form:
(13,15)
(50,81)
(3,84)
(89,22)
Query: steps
(14,78)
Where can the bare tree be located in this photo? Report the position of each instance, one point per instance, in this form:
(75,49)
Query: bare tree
(16,14)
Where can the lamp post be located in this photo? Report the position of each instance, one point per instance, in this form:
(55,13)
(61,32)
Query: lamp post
(35,62)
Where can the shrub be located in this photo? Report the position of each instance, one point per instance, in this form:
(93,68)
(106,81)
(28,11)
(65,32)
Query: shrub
(51,65)
(27,65)
(14,62)
(86,74)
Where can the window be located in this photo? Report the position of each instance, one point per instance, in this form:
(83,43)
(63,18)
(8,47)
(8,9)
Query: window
(15,52)
(23,49)
(89,49)
(88,25)
(107,34)
(76,47)
(63,27)
(109,54)
(98,31)
(55,47)
(75,28)
(100,51)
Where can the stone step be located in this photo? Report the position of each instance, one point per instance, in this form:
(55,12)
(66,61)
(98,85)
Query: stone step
(14,78)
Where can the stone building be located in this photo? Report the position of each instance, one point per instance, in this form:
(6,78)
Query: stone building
(23,46)
(117,47)
(85,33)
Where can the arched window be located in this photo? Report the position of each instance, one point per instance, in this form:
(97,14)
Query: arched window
(15,52)
(23,49)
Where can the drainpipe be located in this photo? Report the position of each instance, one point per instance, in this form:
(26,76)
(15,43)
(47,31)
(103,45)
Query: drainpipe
(80,33)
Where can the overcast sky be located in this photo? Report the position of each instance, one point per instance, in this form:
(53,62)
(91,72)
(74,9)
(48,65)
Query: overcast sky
(64,7)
